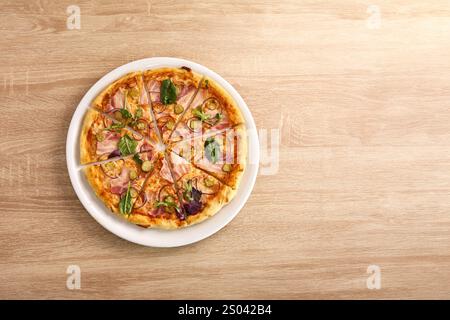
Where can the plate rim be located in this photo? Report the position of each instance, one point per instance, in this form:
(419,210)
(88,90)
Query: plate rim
(122,228)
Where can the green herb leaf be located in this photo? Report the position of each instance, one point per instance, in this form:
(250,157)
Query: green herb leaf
(197,112)
(125,114)
(125,204)
(206,84)
(168,94)
(139,113)
(127,145)
(187,193)
(137,159)
(212,150)
(167,204)
(115,127)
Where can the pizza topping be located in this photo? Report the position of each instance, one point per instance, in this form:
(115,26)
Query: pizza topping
(226,167)
(194,124)
(108,144)
(118,99)
(167,200)
(143,97)
(141,124)
(114,154)
(100,136)
(211,103)
(133,174)
(112,169)
(192,195)
(209,182)
(147,166)
(153,86)
(137,159)
(180,165)
(119,184)
(140,201)
(178,109)
(125,204)
(165,172)
(127,145)
(212,150)
(168,93)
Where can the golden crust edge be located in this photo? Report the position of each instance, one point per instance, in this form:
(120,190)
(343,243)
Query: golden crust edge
(93,177)
(236,115)
(213,206)
(85,154)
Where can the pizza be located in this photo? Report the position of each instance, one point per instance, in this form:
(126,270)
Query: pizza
(164,148)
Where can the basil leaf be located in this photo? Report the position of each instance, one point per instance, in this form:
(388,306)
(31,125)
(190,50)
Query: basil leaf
(137,159)
(212,150)
(168,94)
(125,205)
(127,145)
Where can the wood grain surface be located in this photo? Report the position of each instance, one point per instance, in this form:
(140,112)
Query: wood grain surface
(358,90)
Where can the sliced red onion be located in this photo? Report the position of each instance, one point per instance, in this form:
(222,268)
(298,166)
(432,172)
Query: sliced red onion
(115,153)
(143,195)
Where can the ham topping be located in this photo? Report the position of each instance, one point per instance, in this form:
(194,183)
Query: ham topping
(109,144)
(117,99)
(120,184)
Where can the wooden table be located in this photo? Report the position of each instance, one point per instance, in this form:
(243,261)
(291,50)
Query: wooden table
(360,95)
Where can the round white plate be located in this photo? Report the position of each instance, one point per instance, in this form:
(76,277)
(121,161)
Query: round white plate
(155,237)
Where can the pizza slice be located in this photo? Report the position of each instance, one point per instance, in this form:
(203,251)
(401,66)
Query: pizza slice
(171,92)
(160,207)
(118,183)
(126,100)
(200,194)
(103,138)
(212,109)
(221,154)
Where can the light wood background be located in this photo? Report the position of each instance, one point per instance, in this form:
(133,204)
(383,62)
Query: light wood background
(363,109)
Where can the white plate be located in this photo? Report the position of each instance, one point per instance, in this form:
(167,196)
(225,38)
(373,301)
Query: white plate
(155,237)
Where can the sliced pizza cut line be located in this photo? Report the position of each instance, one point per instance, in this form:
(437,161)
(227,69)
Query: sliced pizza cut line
(160,206)
(202,195)
(118,183)
(148,132)
(212,109)
(170,92)
(126,101)
(103,138)
(222,155)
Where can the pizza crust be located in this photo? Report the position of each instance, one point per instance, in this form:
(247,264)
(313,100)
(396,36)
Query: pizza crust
(96,179)
(211,208)
(87,144)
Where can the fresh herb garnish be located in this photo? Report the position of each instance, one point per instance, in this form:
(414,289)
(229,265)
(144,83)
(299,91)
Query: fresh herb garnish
(168,94)
(166,203)
(137,159)
(206,84)
(138,114)
(197,112)
(187,193)
(115,127)
(125,114)
(125,205)
(127,145)
(212,150)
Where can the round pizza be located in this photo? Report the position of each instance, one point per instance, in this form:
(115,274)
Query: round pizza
(164,148)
